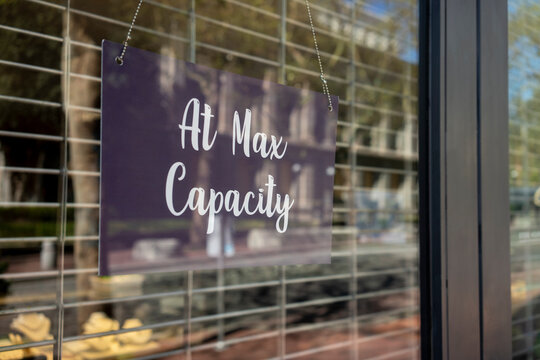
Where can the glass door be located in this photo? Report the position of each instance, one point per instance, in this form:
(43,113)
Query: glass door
(364,305)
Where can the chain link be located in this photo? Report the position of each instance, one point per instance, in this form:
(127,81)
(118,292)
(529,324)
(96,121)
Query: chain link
(120,59)
(323,79)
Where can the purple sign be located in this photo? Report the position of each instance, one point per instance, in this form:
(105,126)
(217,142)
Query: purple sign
(204,169)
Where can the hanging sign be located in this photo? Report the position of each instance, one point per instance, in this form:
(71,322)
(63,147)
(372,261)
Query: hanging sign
(205,169)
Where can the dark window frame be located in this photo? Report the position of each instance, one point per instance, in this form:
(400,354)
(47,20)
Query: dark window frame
(463,176)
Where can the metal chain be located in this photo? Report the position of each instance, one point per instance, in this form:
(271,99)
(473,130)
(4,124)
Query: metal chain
(323,79)
(120,59)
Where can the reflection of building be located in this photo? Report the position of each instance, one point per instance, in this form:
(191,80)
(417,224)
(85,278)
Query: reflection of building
(384,130)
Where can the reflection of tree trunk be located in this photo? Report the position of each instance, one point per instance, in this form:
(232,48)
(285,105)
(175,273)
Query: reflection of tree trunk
(197,230)
(84,157)
(5,179)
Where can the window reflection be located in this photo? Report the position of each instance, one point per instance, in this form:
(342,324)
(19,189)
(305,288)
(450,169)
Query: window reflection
(524,175)
(364,305)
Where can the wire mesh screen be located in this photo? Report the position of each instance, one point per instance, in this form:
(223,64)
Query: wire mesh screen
(364,305)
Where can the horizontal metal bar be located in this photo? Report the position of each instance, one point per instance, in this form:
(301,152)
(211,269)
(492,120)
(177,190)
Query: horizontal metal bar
(394,353)
(27,310)
(234,341)
(47,205)
(384,111)
(49,172)
(524,319)
(30,170)
(375,211)
(316,74)
(27,345)
(385,71)
(238,54)
(361,274)
(83,141)
(254,9)
(85,45)
(382,152)
(82,238)
(317,325)
(30,101)
(82,206)
(318,30)
(26,135)
(387,334)
(31,33)
(318,302)
(317,278)
(385,170)
(319,8)
(374,251)
(47,3)
(317,350)
(36,239)
(85,77)
(372,294)
(29,204)
(167,7)
(124,299)
(335,231)
(392,312)
(257,34)
(84,173)
(234,314)
(385,91)
(47,273)
(123,331)
(84,108)
(161,355)
(31,67)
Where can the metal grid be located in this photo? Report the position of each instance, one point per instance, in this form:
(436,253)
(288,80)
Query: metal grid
(349,86)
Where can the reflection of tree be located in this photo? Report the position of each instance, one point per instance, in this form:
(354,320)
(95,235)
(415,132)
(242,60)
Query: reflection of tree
(524,95)
(83,125)
(20,116)
(524,88)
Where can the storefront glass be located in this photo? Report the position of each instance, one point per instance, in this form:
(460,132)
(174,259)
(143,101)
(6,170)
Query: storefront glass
(364,305)
(524,138)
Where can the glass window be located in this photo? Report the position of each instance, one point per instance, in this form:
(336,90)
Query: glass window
(524,138)
(364,305)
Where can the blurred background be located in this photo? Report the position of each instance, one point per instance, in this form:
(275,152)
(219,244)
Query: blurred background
(364,305)
(524,172)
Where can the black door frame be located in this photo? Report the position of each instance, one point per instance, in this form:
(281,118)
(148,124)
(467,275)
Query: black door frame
(463,180)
